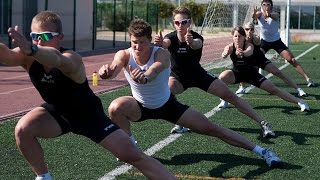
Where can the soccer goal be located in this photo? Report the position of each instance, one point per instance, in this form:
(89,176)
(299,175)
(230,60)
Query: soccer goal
(220,18)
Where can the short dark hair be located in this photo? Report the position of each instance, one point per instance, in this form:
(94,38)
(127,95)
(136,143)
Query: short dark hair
(140,28)
(181,10)
(240,31)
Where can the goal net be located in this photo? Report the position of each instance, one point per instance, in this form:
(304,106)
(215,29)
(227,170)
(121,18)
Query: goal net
(220,18)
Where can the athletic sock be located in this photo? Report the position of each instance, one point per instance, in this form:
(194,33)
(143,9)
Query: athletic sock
(133,140)
(258,150)
(45,176)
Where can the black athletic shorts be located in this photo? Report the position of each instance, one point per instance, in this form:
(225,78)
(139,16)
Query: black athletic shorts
(200,81)
(93,124)
(249,75)
(171,111)
(261,62)
(278,46)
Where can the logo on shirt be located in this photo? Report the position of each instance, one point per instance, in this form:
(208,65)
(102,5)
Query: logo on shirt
(47,79)
(182,50)
(109,127)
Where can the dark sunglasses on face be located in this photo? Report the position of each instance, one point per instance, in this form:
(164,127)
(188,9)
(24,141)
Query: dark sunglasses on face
(44,36)
(247,29)
(182,22)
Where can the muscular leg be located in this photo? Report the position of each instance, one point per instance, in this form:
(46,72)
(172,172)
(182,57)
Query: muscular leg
(272,89)
(197,122)
(120,145)
(275,71)
(123,110)
(175,86)
(286,54)
(38,123)
(220,89)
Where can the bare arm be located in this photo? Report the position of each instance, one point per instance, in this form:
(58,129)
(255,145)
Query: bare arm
(12,57)
(248,50)
(193,43)
(227,50)
(256,40)
(68,62)
(161,62)
(256,13)
(111,71)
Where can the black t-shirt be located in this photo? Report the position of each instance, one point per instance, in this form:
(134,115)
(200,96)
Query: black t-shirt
(240,63)
(63,93)
(185,61)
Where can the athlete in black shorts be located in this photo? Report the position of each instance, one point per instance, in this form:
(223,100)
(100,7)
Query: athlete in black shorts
(185,47)
(241,54)
(71,106)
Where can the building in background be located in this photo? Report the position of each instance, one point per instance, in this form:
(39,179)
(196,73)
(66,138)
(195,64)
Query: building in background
(79,18)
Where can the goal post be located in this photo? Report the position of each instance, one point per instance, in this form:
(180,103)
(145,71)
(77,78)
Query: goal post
(223,15)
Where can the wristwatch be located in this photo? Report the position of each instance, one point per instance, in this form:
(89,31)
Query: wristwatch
(34,50)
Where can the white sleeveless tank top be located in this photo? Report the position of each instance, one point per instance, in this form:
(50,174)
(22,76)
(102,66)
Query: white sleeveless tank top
(155,93)
(269,29)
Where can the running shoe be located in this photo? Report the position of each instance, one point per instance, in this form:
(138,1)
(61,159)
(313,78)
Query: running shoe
(241,90)
(301,92)
(303,106)
(223,104)
(271,158)
(267,131)
(311,83)
(179,130)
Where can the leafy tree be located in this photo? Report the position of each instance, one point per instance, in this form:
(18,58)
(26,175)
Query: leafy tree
(165,8)
(197,10)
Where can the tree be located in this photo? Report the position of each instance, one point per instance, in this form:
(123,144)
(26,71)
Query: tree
(165,11)
(197,10)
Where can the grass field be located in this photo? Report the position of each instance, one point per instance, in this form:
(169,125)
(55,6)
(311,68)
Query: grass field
(193,156)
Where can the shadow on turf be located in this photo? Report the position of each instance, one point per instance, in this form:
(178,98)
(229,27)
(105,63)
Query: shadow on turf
(227,162)
(298,138)
(289,109)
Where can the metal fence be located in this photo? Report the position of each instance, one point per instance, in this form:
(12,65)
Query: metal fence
(108,20)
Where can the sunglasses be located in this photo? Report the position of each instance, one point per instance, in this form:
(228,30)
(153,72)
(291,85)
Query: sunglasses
(44,36)
(182,22)
(247,29)
(266,4)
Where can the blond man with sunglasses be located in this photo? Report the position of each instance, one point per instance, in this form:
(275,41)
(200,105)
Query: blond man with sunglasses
(185,47)
(70,105)
(268,21)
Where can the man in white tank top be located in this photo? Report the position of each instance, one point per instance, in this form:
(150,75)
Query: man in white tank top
(147,70)
(270,37)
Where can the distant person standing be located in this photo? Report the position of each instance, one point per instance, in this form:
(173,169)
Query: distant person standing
(270,36)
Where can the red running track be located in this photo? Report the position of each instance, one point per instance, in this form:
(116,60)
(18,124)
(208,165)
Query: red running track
(18,95)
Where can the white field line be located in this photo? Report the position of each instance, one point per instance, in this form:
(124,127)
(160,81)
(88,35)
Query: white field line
(172,137)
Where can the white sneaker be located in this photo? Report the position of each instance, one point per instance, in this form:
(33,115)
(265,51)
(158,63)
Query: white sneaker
(271,158)
(267,130)
(223,104)
(303,106)
(301,92)
(44,177)
(311,83)
(241,90)
(179,129)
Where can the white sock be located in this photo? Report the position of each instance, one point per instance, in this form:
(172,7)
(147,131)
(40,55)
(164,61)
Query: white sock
(133,140)
(258,150)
